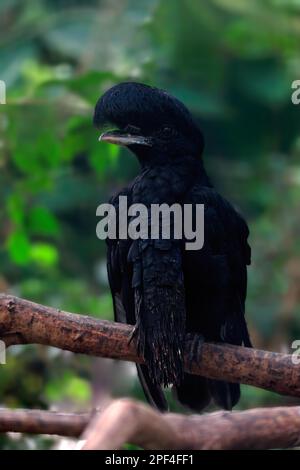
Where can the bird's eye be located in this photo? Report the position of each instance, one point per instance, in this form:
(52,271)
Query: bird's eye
(168,132)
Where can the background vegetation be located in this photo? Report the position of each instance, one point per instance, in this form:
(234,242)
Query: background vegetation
(232,62)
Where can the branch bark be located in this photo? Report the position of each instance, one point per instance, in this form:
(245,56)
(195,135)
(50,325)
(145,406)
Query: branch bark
(132,422)
(43,422)
(24,322)
(128,421)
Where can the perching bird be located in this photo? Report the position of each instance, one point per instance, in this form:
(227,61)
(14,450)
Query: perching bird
(159,286)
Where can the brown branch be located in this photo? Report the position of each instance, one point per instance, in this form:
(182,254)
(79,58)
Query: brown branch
(128,421)
(24,322)
(43,422)
(132,422)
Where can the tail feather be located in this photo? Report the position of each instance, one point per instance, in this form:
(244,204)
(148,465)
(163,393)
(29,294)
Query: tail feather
(197,392)
(153,392)
(193,392)
(225,394)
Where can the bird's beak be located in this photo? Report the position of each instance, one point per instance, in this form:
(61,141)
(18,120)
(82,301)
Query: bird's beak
(124,138)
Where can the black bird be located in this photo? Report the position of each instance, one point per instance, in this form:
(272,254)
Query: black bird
(160,287)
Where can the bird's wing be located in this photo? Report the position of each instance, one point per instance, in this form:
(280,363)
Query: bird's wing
(216,281)
(225,255)
(119,273)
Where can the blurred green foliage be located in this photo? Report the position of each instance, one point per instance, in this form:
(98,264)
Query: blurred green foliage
(232,62)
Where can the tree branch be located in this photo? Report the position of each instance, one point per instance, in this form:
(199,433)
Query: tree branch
(132,422)
(43,422)
(128,421)
(24,322)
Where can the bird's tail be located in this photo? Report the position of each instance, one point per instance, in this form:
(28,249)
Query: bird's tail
(197,392)
(193,392)
(153,392)
(226,395)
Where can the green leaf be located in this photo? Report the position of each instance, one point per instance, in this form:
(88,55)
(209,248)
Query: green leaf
(104,157)
(44,254)
(42,222)
(18,247)
(15,208)
(68,387)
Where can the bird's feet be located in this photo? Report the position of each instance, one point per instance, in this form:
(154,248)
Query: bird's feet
(194,349)
(132,335)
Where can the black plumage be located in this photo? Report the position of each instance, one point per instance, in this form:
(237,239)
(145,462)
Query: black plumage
(158,285)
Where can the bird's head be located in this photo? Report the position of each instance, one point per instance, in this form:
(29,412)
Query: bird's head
(151,123)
